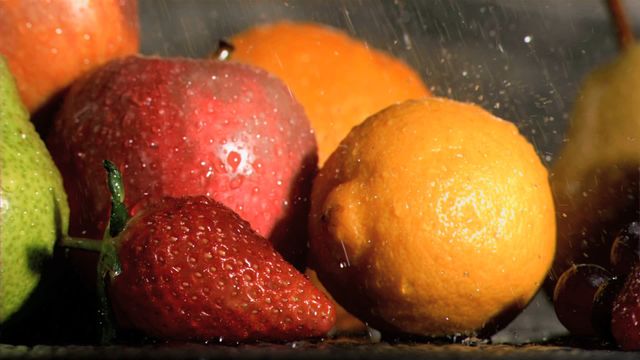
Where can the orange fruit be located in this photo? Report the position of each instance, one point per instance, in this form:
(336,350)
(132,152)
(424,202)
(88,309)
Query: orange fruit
(433,218)
(339,80)
(49,44)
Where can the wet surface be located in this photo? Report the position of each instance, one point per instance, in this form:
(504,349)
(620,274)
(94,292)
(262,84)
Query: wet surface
(351,348)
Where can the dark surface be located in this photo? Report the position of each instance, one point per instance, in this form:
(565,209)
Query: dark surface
(342,349)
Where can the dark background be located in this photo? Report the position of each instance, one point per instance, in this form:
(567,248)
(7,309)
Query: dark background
(521,59)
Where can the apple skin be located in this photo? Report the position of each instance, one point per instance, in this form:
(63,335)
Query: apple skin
(49,43)
(179,127)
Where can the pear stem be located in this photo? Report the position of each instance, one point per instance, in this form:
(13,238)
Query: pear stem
(223,53)
(625,34)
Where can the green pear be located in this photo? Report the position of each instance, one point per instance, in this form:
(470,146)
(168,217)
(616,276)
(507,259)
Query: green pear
(33,205)
(595,178)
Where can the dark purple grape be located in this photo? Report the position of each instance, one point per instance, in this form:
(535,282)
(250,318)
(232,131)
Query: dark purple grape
(602,305)
(573,297)
(625,313)
(625,251)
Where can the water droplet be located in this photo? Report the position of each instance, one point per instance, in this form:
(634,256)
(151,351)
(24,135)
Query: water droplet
(233,159)
(236,182)
(375,336)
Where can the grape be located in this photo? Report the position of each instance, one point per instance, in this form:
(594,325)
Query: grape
(602,305)
(625,314)
(573,297)
(625,251)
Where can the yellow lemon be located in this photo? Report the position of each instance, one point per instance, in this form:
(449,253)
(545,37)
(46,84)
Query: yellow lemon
(433,217)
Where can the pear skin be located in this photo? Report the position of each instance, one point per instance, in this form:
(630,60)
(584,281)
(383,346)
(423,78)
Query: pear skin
(33,205)
(595,178)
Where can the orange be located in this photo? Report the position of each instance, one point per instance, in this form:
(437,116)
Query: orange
(339,80)
(433,218)
(49,44)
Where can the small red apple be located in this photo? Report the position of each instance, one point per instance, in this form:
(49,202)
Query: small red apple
(179,127)
(49,43)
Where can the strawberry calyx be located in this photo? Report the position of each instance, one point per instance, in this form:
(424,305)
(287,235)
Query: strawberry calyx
(224,50)
(119,213)
(108,264)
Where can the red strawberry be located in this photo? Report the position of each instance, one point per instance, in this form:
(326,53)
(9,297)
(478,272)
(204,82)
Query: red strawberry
(625,317)
(192,269)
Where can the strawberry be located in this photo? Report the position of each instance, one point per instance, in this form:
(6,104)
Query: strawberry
(625,317)
(192,269)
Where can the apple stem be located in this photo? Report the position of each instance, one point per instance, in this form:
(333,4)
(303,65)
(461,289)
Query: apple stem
(625,34)
(223,53)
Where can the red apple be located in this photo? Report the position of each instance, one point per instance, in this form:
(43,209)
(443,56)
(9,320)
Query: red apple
(49,43)
(178,127)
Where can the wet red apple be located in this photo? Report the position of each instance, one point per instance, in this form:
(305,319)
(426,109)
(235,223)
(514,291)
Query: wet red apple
(49,43)
(179,127)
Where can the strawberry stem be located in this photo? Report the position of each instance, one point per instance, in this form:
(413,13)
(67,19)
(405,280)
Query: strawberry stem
(223,53)
(80,243)
(109,264)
